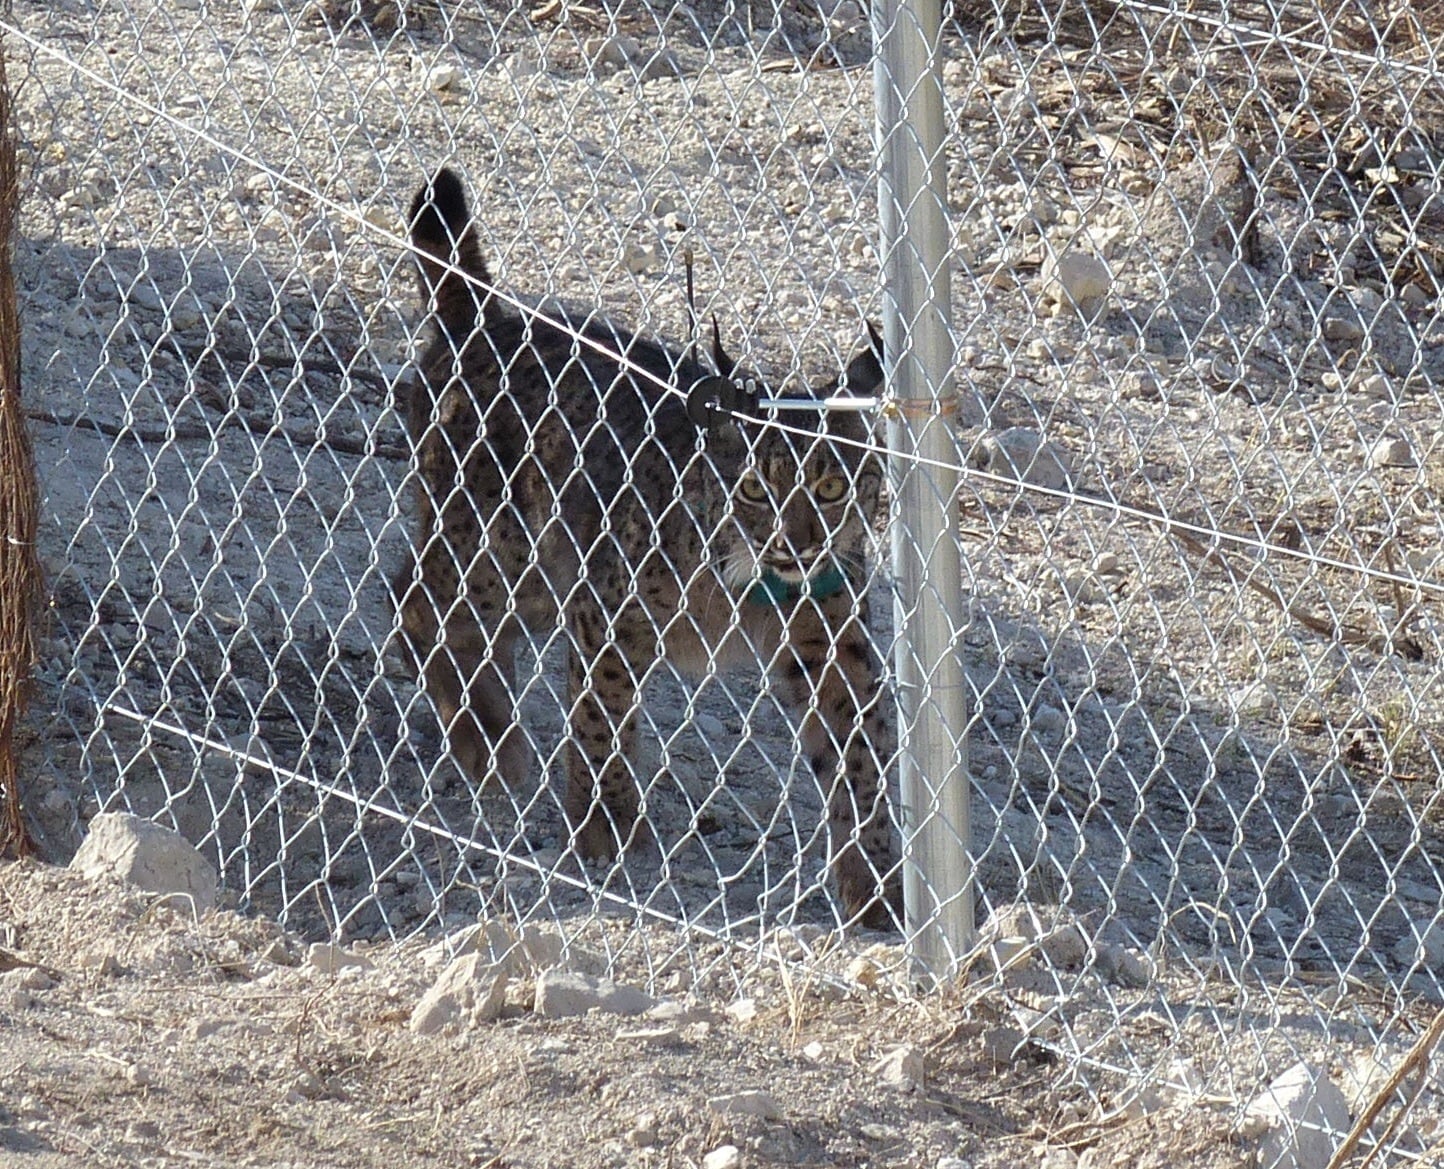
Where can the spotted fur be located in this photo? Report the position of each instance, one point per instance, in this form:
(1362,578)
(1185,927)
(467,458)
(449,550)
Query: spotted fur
(563,488)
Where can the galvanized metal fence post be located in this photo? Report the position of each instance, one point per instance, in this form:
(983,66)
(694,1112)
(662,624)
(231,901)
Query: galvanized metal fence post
(922,438)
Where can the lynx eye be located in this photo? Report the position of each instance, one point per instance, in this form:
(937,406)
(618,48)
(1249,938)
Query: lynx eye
(752,489)
(830,488)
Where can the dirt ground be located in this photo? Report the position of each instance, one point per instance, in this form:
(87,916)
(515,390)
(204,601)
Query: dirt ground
(133,1034)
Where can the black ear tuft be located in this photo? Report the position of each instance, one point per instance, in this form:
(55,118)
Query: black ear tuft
(875,336)
(726,365)
(439,214)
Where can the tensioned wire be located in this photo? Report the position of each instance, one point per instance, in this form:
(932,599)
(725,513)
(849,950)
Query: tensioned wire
(1101,502)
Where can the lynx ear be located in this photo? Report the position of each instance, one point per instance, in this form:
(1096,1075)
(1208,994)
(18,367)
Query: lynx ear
(875,337)
(864,372)
(726,365)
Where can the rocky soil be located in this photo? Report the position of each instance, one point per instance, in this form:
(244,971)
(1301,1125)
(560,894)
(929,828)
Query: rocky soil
(137,1034)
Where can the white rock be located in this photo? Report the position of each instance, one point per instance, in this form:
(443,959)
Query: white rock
(1299,1120)
(1023,454)
(329,958)
(725,1157)
(562,993)
(148,856)
(27,978)
(443,77)
(614,52)
(746,1104)
(640,258)
(1078,280)
(1012,929)
(470,990)
(864,971)
(643,1134)
(1083,588)
(1392,452)
(741,1010)
(525,951)
(650,1036)
(903,1067)
(1183,1081)
(1125,966)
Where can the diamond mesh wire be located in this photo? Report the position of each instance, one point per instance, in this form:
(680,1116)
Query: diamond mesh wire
(1195,300)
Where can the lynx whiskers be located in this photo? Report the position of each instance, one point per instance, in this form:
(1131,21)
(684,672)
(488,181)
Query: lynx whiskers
(563,488)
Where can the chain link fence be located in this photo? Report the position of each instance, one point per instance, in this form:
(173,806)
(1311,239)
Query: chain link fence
(1195,299)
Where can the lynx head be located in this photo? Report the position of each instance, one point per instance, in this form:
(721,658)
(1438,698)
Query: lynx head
(804,492)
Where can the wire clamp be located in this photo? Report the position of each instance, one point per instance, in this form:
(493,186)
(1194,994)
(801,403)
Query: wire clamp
(712,401)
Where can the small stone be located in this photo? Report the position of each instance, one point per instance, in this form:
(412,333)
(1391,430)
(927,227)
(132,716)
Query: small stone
(640,259)
(741,1011)
(278,952)
(1347,330)
(902,1068)
(746,1104)
(1416,296)
(1023,454)
(1392,452)
(470,990)
(651,1036)
(307,1086)
(863,971)
(27,978)
(440,78)
(1003,1045)
(1376,385)
(1078,280)
(1124,966)
(609,54)
(143,294)
(205,1028)
(1138,385)
(103,963)
(1183,1081)
(329,958)
(723,1157)
(643,1133)
(1365,1078)
(561,994)
(1082,588)
(148,856)
(137,1075)
(1299,1120)
(1015,929)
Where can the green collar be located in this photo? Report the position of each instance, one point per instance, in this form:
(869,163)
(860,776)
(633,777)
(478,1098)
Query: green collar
(773,590)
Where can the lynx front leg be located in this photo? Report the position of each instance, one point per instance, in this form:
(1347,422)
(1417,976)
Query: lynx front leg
(829,677)
(466,673)
(602,799)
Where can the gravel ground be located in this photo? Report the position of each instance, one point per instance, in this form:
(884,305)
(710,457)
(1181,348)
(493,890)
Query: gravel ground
(136,1035)
(1223,759)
